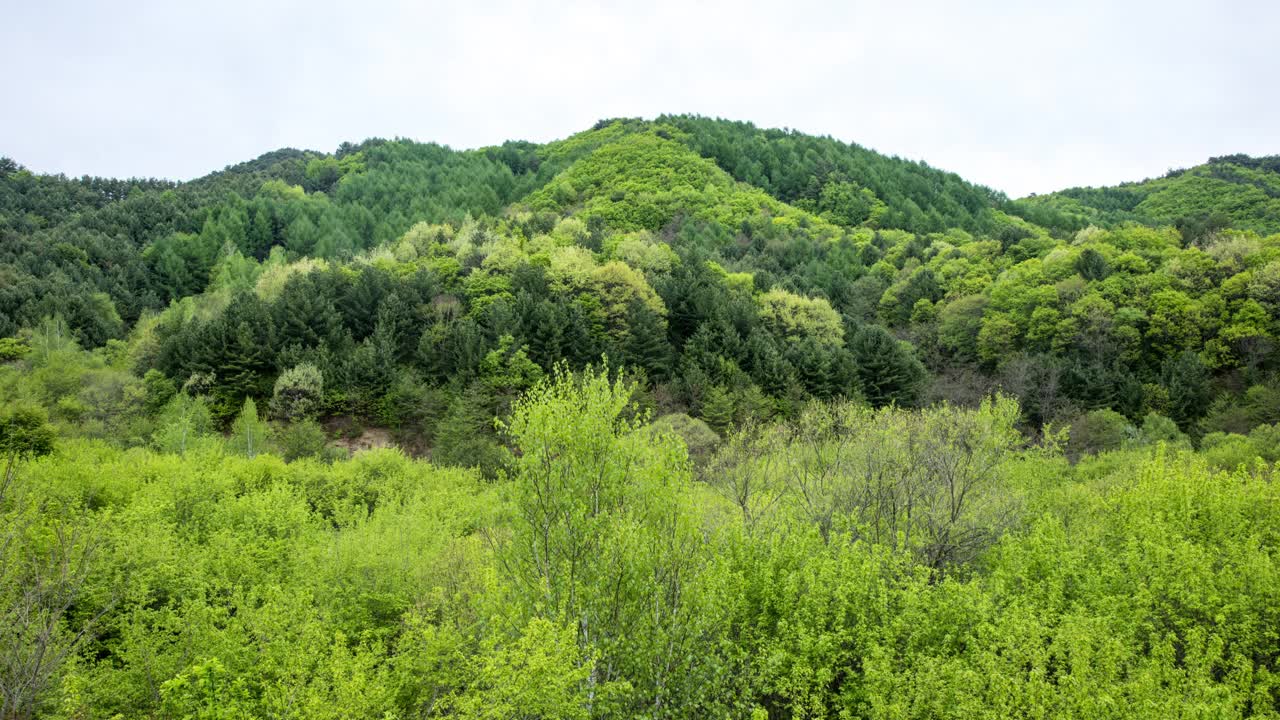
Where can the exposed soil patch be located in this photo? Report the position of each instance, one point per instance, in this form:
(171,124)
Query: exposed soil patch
(353,437)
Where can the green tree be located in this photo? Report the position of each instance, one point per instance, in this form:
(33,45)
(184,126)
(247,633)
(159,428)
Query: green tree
(717,409)
(25,433)
(794,317)
(959,323)
(248,433)
(298,394)
(1187,379)
(886,368)
(646,344)
(591,490)
(184,421)
(998,339)
(159,390)
(303,438)
(541,675)
(466,436)
(1099,431)
(12,348)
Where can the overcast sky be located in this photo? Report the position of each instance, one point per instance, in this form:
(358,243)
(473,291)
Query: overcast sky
(1022,96)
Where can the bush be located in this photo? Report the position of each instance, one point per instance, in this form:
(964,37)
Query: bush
(1098,431)
(301,440)
(298,393)
(698,437)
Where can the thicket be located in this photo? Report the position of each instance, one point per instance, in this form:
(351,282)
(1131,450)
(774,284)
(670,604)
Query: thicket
(848,563)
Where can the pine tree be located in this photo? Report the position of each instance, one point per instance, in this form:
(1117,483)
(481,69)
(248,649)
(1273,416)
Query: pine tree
(466,436)
(305,314)
(717,409)
(261,236)
(1187,379)
(812,362)
(887,369)
(646,345)
(544,328)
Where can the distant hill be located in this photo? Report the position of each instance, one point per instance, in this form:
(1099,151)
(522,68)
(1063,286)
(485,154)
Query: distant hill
(1236,191)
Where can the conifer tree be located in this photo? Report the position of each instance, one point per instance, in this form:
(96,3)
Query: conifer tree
(886,369)
(646,345)
(717,409)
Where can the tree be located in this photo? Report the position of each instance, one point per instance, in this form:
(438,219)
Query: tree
(592,489)
(507,369)
(887,369)
(794,317)
(45,616)
(813,364)
(540,675)
(159,390)
(298,394)
(184,420)
(959,323)
(998,338)
(545,328)
(1249,334)
(261,234)
(1099,431)
(466,437)
(717,409)
(248,433)
(303,438)
(924,481)
(1174,324)
(1092,265)
(12,348)
(25,433)
(1187,380)
(847,203)
(646,345)
(698,437)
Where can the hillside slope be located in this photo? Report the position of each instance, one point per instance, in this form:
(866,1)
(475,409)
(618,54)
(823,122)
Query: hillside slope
(741,271)
(1235,191)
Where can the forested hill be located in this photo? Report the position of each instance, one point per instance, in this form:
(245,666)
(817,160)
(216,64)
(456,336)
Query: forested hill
(668,419)
(1235,191)
(739,271)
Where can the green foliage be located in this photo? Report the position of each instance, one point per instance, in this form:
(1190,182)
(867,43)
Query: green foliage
(1234,191)
(302,439)
(648,242)
(24,434)
(1099,431)
(794,317)
(248,432)
(887,369)
(717,409)
(183,424)
(699,439)
(793,167)
(298,394)
(539,675)
(850,561)
(12,349)
(466,436)
(839,554)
